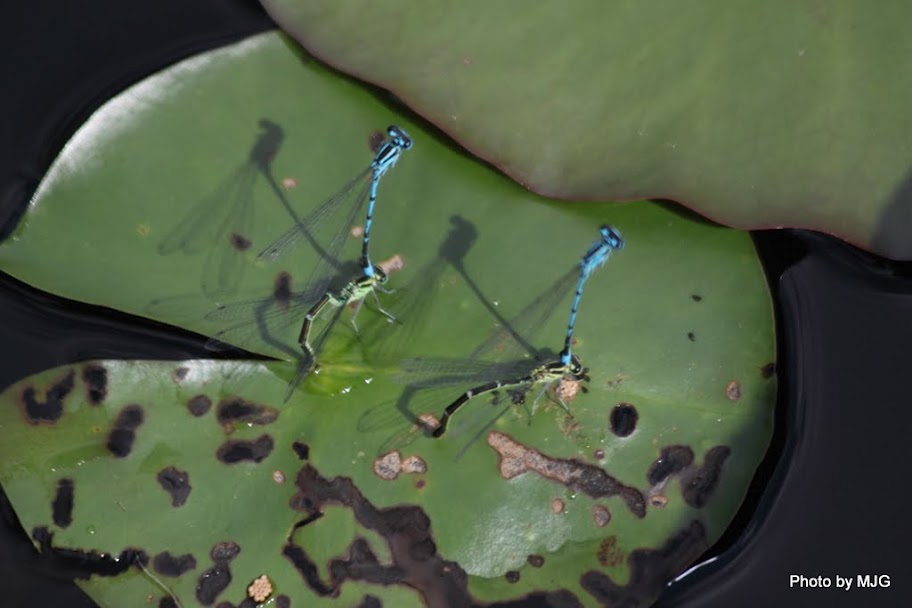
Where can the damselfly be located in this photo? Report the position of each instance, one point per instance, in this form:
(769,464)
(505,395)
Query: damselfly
(324,290)
(220,223)
(516,378)
(364,186)
(568,367)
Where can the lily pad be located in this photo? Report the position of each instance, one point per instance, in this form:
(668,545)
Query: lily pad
(767,114)
(614,495)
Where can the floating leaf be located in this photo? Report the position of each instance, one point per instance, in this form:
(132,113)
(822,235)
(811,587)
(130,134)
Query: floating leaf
(755,114)
(647,468)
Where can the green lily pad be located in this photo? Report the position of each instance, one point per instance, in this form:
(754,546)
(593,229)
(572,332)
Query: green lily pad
(153,462)
(755,114)
(614,495)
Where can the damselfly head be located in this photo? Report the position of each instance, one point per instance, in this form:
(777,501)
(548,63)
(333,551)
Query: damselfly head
(380,276)
(575,367)
(399,137)
(612,237)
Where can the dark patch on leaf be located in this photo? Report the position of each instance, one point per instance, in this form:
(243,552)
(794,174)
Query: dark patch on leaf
(691,336)
(224,551)
(672,460)
(301,450)
(283,601)
(406,529)
(176,483)
(167,602)
(95,378)
(698,485)
(768,370)
(212,582)
(81,564)
(650,570)
(281,289)
(512,576)
(62,506)
(370,601)
(217,578)
(169,565)
(130,417)
(560,598)
(180,373)
(51,409)
(307,568)
(235,410)
(516,459)
(234,451)
(239,241)
(623,419)
(536,561)
(199,405)
(696,297)
(123,433)
(733,390)
(609,554)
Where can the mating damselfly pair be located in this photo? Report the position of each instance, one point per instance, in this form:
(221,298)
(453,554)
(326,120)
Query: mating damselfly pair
(329,290)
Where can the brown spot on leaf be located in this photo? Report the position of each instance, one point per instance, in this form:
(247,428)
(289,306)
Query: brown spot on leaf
(239,241)
(414,464)
(234,451)
(696,297)
(567,389)
(658,501)
(768,370)
(82,564)
(536,561)
(301,450)
(216,579)
(650,569)
(672,460)
(233,411)
(698,484)
(50,410)
(62,506)
(176,483)
(609,554)
(180,373)
(123,432)
(199,405)
(733,390)
(512,576)
(388,466)
(516,459)
(557,506)
(392,264)
(599,454)
(691,336)
(370,601)
(623,419)
(167,564)
(278,477)
(601,515)
(95,377)
(406,530)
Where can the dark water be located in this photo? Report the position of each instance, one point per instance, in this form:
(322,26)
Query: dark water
(829,498)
